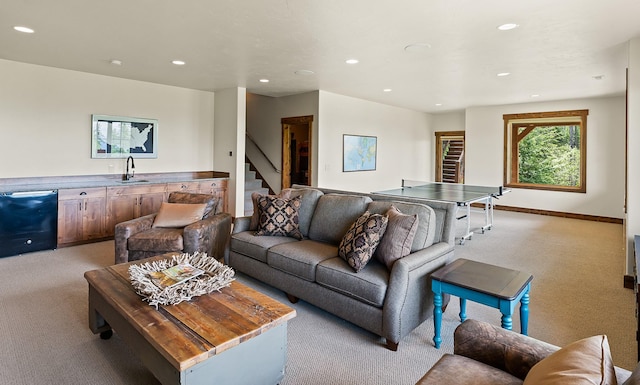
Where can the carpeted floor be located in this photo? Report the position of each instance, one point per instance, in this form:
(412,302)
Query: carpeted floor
(578,269)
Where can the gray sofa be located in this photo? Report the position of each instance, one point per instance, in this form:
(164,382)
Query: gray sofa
(389,302)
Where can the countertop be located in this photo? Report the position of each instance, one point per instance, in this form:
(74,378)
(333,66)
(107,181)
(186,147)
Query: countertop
(58,183)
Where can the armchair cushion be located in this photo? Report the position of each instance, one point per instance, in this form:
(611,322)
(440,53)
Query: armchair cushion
(587,361)
(179,214)
(157,239)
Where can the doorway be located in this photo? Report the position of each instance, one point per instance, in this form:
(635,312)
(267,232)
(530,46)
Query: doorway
(296,150)
(449,157)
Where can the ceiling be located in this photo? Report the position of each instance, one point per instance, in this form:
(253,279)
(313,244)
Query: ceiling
(561,49)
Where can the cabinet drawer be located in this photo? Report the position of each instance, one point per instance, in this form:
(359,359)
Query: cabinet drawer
(213,184)
(183,186)
(128,190)
(81,193)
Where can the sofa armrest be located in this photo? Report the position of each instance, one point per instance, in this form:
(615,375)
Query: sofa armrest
(210,235)
(409,299)
(241,224)
(503,349)
(124,230)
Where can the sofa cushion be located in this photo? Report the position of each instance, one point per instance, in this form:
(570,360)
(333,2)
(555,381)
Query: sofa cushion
(300,258)
(157,239)
(183,197)
(398,238)
(246,243)
(426,232)
(310,198)
(454,370)
(361,240)
(368,285)
(178,214)
(587,361)
(279,217)
(334,214)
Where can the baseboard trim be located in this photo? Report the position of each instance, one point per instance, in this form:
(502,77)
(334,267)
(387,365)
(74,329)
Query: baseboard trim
(558,214)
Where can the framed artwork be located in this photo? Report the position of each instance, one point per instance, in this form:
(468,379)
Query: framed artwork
(359,153)
(121,137)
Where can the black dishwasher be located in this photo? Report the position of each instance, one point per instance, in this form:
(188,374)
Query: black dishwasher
(28,221)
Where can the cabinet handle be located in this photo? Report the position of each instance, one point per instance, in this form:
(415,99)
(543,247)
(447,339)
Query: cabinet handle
(140,201)
(83,193)
(85,206)
(80,206)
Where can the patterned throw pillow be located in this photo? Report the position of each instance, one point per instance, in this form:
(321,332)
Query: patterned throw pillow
(360,242)
(278,216)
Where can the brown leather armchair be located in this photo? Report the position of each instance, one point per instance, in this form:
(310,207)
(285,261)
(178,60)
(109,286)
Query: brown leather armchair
(138,239)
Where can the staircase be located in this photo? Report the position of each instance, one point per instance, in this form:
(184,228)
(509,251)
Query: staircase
(251,185)
(452,162)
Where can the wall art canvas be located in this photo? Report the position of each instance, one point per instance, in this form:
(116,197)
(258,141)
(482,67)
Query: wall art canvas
(121,137)
(359,153)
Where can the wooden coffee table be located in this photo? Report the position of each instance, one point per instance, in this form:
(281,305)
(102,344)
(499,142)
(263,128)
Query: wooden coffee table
(235,336)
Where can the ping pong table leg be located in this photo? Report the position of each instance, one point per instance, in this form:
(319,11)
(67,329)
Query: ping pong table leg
(468,219)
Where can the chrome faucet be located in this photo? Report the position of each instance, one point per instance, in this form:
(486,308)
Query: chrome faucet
(133,166)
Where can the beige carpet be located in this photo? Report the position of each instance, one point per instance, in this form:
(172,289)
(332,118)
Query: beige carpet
(577,291)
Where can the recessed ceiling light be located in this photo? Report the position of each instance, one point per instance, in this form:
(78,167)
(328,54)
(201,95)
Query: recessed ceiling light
(504,74)
(387,90)
(352,61)
(417,47)
(23,29)
(179,62)
(507,26)
(598,77)
(438,104)
(535,95)
(304,72)
(264,80)
(116,62)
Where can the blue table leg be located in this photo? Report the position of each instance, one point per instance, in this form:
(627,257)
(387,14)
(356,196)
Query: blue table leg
(524,313)
(507,321)
(463,309)
(437,318)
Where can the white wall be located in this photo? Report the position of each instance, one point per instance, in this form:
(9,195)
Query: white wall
(45,122)
(405,139)
(633,174)
(484,133)
(230,126)
(263,124)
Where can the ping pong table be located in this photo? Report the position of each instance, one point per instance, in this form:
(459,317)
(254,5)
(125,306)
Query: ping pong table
(461,194)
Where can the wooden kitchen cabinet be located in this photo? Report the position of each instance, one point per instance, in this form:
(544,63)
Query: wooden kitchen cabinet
(129,202)
(188,187)
(217,187)
(81,215)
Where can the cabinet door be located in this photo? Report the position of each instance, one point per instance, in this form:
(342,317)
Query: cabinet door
(120,208)
(93,218)
(150,203)
(69,221)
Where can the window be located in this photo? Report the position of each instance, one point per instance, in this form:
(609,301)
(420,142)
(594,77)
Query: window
(546,150)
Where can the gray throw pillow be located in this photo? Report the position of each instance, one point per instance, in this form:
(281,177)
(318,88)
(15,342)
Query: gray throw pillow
(398,238)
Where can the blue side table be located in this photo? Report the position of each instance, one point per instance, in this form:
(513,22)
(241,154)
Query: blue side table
(487,284)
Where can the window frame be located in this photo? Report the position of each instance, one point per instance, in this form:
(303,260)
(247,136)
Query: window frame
(562,118)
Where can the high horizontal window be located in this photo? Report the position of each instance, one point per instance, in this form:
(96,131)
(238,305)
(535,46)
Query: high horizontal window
(546,150)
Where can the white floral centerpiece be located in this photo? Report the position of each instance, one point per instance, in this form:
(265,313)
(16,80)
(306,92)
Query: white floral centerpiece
(215,277)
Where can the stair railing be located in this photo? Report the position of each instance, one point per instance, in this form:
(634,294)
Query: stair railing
(263,154)
(459,175)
